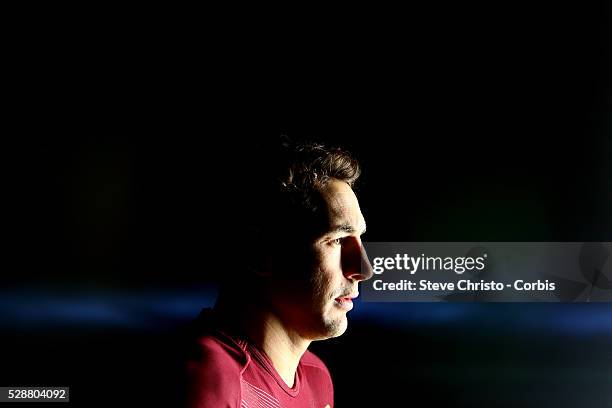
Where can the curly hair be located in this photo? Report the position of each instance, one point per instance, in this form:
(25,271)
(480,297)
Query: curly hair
(313,165)
(280,202)
(305,168)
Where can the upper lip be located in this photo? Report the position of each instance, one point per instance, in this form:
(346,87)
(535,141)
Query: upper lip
(351,296)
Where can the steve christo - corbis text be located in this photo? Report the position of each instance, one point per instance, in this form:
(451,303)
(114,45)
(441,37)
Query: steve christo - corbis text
(463,285)
(459,265)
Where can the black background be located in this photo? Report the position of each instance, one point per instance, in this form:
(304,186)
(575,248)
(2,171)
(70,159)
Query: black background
(475,123)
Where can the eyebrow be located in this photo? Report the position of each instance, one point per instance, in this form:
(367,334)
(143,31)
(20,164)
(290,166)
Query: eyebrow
(346,228)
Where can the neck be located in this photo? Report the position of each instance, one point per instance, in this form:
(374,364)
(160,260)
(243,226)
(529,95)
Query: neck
(283,346)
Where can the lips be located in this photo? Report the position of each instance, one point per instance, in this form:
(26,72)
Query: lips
(345,302)
(344,299)
(347,297)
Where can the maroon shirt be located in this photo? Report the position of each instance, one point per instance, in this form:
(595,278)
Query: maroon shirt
(230,371)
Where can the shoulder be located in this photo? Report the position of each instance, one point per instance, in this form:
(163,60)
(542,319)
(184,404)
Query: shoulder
(210,347)
(214,369)
(311,359)
(214,351)
(317,376)
(314,364)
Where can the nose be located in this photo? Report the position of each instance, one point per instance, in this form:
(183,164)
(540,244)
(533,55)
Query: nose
(355,263)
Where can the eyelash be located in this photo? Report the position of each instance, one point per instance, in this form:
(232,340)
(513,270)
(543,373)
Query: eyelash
(337,241)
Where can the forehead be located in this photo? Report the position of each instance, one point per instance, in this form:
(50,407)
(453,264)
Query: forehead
(342,205)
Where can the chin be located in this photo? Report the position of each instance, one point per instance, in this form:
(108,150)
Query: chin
(335,327)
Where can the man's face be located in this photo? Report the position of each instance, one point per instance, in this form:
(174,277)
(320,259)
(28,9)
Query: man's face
(315,295)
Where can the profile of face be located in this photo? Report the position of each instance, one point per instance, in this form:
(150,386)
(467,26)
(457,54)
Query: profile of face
(314,296)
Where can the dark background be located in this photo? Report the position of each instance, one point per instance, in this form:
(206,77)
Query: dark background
(124,176)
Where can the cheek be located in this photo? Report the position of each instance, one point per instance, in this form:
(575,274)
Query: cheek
(329,257)
(327,278)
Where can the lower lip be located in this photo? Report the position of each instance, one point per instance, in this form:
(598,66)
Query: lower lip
(344,304)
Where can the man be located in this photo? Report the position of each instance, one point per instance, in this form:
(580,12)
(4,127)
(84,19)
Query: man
(302,224)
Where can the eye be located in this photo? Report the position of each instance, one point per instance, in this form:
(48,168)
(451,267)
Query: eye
(337,241)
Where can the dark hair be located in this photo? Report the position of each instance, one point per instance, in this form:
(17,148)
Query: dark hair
(279,195)
(288,178)
(304,168)
(312,164)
